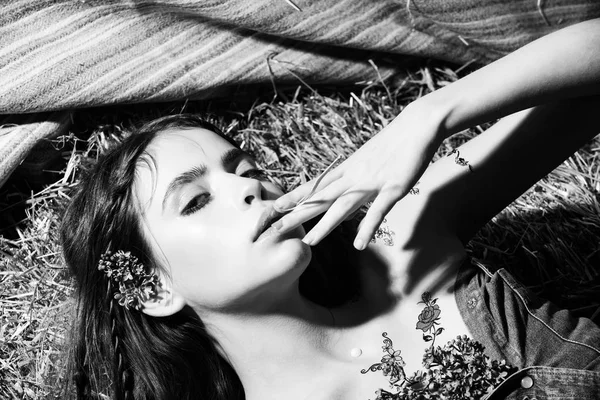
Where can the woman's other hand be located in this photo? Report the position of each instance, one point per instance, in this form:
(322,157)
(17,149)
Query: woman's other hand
(383,171)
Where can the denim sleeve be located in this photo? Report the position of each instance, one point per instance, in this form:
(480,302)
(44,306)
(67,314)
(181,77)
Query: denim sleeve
(541,383)
(558,354)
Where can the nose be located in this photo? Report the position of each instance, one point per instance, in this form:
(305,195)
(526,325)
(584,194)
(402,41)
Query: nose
(239,191)
(251,190)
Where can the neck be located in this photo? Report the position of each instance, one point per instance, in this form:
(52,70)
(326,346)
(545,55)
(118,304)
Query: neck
(278,346)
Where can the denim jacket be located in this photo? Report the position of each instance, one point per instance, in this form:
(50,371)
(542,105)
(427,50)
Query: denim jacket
(558,355)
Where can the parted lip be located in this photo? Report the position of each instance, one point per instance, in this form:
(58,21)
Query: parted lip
(266,219)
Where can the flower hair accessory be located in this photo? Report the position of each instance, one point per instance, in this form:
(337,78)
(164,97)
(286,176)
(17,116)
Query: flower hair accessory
(133,283)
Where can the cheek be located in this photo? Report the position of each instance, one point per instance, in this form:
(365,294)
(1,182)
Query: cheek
(215,265)
(204,265)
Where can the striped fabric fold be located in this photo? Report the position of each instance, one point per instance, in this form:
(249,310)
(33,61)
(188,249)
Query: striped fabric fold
(67,54)
(18,135)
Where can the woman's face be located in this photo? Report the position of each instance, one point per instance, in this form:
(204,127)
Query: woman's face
(204,208)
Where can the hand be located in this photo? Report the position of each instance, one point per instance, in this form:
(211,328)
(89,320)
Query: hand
(383,170)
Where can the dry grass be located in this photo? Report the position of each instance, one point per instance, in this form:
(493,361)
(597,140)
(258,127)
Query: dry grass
(548,237)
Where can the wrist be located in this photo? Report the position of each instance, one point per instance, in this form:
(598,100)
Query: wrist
(437,110)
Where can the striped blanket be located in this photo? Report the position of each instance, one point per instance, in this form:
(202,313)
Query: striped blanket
(59,55)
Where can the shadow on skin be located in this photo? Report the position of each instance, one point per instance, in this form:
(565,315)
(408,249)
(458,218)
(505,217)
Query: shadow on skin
(555,131)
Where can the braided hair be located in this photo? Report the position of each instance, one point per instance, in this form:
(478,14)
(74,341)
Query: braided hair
(125,352)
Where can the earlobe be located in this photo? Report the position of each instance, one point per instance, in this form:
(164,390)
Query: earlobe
(166,303)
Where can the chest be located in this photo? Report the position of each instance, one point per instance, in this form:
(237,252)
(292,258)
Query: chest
(408,323)
(400,323)
(397,338)
(411,297)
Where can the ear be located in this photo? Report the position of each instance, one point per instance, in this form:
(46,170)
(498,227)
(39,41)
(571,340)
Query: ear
(167,302)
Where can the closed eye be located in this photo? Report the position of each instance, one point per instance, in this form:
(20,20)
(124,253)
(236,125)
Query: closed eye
(201,200)
(255,173)
(196,203)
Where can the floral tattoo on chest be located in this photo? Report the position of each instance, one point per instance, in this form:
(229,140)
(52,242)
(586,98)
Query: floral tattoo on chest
(457,370)
(429,318)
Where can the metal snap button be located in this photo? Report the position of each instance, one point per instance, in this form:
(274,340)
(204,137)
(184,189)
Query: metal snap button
(526,382)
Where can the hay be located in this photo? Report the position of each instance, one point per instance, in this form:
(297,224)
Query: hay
(547,237)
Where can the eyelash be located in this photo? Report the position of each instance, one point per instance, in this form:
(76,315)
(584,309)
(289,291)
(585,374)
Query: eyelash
(198,202)
(256,173)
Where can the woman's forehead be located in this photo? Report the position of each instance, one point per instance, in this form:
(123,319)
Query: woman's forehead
(172,153)
(199,145)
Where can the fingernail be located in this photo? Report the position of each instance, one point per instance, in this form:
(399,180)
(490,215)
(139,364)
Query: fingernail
(359,244)
(277,225)
(307,240)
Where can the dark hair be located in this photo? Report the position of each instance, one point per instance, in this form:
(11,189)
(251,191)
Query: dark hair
(137,355)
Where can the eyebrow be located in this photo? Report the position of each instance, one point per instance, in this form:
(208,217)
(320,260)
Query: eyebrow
(227,159)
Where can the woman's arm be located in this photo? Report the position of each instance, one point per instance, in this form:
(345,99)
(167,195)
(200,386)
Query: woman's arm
(503,162)
(561,71)
(563,65)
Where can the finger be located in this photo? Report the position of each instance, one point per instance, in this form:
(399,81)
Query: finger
(317,204)
(372,220)
(290,199)
(305,190)
(343,206)
(352,215)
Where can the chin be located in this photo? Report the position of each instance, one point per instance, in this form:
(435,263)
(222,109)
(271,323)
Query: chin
(276,272)
(289,259)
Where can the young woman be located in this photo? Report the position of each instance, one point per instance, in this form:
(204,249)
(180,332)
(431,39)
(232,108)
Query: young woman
(195,282)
